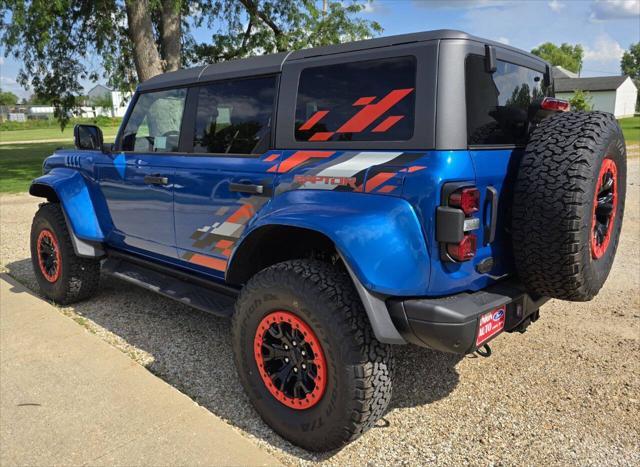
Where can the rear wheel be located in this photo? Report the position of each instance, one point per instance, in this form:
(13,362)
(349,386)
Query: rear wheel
(307,356)
(568,205)
(62,276)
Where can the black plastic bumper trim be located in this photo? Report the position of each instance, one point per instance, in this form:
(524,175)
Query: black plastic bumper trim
(450,324)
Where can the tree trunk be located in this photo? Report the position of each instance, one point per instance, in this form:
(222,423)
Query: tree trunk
(171,34)
(145,52)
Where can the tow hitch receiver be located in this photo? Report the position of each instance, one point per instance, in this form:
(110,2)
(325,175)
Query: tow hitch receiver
(484,351)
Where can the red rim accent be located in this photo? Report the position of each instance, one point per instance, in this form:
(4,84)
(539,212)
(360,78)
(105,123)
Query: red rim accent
(608,171)
(304,353)
(49,258)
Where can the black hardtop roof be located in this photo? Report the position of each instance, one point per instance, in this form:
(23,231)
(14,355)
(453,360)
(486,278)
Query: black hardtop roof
(264,64)
(268,64)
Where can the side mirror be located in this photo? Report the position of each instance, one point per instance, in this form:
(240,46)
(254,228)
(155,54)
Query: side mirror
(88,137)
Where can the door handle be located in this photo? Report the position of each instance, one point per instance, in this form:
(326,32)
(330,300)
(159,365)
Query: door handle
(156,180)
(246,188)
(490,227)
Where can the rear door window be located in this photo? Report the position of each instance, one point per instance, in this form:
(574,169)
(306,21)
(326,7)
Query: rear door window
(235,116)
(154,124)
(357,101)
(498,103)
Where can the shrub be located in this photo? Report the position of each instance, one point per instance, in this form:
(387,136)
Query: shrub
(581,100)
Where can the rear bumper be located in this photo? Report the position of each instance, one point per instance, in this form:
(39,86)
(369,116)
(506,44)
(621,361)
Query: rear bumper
(451,324)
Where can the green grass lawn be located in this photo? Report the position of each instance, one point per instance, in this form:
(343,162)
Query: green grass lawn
(39,134)
(21,163)
(631,129)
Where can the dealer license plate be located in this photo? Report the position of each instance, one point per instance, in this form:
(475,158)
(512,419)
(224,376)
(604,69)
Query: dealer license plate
(491,323)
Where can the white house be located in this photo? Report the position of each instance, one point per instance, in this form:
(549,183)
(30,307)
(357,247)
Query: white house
(119,100)
(614,94)
(98,91)
(559,72)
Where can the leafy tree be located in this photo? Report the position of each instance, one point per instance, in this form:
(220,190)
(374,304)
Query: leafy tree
(36,99)
(567,56)
(581,100)
(8,98)
(520,97)
(630,65)
(630,62)
(134,40)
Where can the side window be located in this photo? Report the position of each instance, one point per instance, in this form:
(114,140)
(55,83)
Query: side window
(154,124)
(358,101)
(235,116)
(498,103)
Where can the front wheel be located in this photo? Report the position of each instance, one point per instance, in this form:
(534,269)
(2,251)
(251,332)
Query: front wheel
(307,356)
(62,276)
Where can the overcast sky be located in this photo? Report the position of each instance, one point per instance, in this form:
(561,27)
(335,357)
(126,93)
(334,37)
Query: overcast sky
(605,28)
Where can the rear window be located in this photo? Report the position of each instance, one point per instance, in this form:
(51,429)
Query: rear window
(361,101)
(498,103)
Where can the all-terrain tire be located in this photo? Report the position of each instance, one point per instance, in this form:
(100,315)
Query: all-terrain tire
(569,192)
(359,369)
(71,278)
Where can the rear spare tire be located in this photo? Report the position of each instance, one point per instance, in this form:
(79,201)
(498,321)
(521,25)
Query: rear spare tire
(568,205)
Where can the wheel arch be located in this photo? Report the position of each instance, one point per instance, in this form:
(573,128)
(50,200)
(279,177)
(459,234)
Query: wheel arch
(69,188)
(43,190)
(275,243)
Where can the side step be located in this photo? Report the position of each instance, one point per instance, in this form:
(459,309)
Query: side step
(182,290)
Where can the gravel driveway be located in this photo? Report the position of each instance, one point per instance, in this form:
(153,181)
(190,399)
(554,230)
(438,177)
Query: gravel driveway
(565,392)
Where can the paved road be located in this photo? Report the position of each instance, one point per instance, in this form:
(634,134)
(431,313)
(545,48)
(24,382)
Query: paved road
(68,398)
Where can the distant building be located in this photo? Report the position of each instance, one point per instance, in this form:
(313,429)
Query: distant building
(17,117)
(558,72)
(119,100)
(40,111)
(98,91)
(613,94)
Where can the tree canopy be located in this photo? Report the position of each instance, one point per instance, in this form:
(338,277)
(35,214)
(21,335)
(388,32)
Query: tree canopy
(630,65)
(630,62)
(8,98)
(62,42)
(567,56)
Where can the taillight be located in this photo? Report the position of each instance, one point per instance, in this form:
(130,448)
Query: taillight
(456,218)
(467,199)
(556,105)
(465,250)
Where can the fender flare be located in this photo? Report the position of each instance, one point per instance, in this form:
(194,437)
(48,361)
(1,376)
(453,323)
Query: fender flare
(70,189)
(379,239)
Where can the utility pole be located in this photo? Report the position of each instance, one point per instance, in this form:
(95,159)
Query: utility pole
(324,8)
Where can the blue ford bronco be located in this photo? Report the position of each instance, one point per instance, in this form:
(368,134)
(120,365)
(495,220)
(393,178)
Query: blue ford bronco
(422,189)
